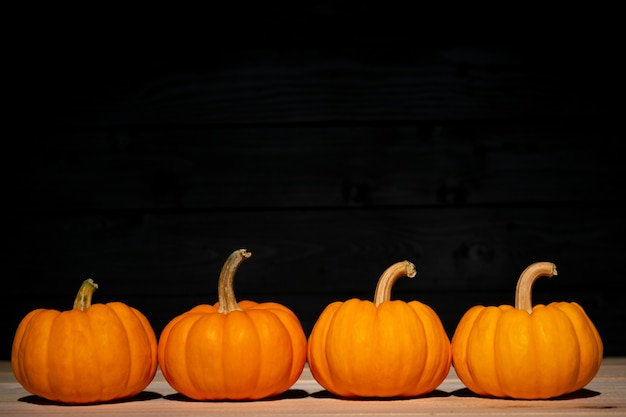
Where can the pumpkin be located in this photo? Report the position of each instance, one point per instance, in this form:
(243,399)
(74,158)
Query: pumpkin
(89,354)
(233,350)
(385,348)
(526,351)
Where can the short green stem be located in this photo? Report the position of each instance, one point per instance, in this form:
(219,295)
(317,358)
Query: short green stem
(85,292)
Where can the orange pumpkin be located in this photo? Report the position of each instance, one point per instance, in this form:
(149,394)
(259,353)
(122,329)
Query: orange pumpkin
(92,353)
(384,348)
(526,352)
(230,350)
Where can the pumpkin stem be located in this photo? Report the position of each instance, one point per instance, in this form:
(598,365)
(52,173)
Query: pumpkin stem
(523,300)
(225,293)
(83,299)
(389,277)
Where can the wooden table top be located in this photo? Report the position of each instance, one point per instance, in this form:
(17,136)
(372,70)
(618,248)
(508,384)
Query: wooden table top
(604,396)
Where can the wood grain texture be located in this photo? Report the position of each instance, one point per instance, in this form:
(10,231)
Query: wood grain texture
(329,163)
(603,396)
(385,82)
(426,163)
(166,263)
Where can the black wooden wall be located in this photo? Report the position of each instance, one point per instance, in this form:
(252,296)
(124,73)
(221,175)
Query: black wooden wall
(144,171)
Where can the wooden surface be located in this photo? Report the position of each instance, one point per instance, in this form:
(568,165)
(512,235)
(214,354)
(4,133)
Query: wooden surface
(143,170)
(605,395)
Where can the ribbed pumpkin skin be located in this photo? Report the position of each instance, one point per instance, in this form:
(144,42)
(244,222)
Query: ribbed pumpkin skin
(242,355)
(507,352)
(108,352)
(397,349)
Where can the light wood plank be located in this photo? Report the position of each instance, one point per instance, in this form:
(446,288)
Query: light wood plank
(604,396)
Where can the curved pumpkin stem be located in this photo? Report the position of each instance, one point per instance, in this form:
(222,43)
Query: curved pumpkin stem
(523,297)
(83,299)
(389,277)
(225,293)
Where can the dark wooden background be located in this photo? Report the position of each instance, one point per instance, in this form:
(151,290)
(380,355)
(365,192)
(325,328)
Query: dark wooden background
(144,170)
